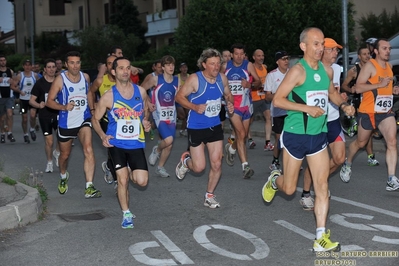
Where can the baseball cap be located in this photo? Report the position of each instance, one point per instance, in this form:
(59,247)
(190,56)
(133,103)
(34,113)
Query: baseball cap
(331,43)
(183,64)
(280,54)
(26,61)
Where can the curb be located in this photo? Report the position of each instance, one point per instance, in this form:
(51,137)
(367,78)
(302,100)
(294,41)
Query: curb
(22,212)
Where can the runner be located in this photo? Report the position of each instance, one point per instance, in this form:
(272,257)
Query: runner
(202,94)
(70,89)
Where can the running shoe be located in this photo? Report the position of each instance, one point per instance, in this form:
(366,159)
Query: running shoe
(392,184)
(371,161)
(345,173)
(229,156)
(230,140)
(56,155)
(26,139)
(49,167)
(183,133)
(247,172)
(251,144)
(181,169)
(152,159)
(108,178)
(268,191)
(92,192)
(324,243)
(127,221)
(268,147)
(63,184)
(307,203)
(11,138)
(3,138)
(33,135)
(211,202)
(161,171)
(275,166)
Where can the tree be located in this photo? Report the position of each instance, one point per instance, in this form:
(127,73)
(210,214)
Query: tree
(269,25)
(384,25)
(126,18)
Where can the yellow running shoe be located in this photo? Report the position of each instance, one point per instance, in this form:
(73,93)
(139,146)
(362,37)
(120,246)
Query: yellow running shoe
(324,243)
(268,191)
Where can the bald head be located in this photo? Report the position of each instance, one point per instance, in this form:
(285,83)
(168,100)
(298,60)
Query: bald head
(258,56)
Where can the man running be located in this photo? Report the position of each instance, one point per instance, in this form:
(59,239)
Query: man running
(163,98)
(70,89)
(375,81)
(47,117)
(125,104)
(26,79)
(304,93)
(240,72)
(202,95)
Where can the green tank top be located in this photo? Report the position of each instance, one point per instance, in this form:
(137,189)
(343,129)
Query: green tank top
(314,92)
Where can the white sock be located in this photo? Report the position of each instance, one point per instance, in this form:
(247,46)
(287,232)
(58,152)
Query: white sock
(320,231)
(127,211)
(231,150)
(243,165)
(63,176)
(88,184)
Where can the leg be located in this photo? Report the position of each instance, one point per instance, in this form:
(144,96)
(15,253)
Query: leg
(388,130)
(287,183)
(24,123)
(215,150)
(85,138)
(65,151)
(123,185)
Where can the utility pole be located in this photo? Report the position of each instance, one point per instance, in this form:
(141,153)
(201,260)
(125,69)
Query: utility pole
(345,51)
(32,33)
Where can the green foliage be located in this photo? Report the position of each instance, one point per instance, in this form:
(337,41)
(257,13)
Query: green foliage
(14,61)
(9,181)
(126,18)
(384,25)
(271,26)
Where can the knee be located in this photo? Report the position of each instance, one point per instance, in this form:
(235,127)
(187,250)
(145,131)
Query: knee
(197,167)
(289,190)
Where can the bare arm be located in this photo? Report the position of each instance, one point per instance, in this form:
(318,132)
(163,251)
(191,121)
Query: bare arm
(190,86)
(146,101)
(256,82)
(91,96)
(351,75)
(103,104)
(147,82)
(368,70)
(52,95)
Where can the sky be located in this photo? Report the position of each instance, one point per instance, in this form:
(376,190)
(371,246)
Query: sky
(6,17)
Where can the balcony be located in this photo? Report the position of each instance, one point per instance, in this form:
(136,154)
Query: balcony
(163,22)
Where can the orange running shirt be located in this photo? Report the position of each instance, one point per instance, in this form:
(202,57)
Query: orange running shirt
(259,94)
(381,99)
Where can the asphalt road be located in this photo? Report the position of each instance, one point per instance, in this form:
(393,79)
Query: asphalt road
(174,228)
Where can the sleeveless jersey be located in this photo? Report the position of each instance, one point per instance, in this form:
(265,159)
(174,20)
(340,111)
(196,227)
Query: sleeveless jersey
(333,110)
(234,74)
(211,94)
(313,92)
(77,93)
(258,95)
(381,99)
(27,85)
(163,96)
(5,90)
(106,85)
(273,80)
(125,118)
(181,82)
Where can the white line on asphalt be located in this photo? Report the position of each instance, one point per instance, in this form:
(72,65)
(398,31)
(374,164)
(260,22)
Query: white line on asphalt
(360,205)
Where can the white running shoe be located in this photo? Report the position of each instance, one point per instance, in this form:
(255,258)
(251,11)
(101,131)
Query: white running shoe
(307,203)
(161,171)
(211,202)
(49,168)
(393,184)
(108,178)
(345,173)
(152,159)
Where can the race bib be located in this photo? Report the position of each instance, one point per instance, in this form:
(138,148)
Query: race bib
(261,93)
(80,102)
(235,87)
(383,103)
(5,82)
(213,108)
(318,98)
(167,113)
(127,129)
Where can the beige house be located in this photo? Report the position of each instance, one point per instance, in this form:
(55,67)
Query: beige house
(160,16)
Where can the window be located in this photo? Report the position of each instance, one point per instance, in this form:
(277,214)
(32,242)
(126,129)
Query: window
(168,4)
(57,8)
